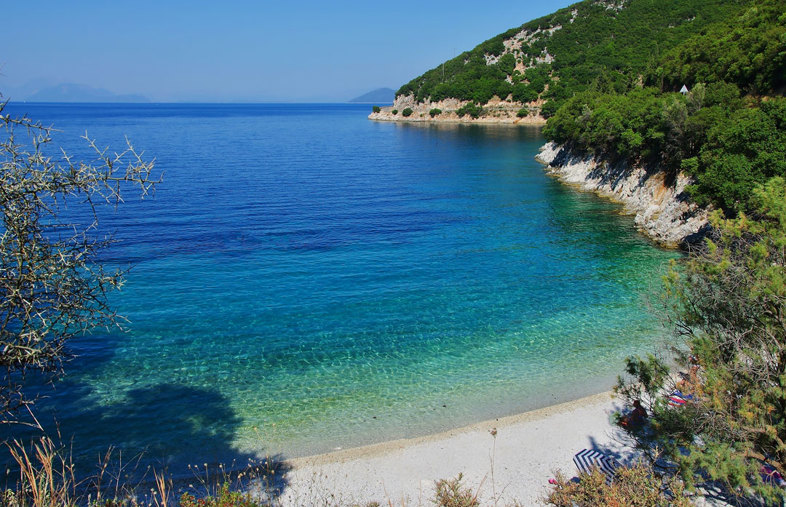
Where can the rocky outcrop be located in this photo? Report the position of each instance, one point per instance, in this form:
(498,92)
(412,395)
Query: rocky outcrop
(661,207)
(495,111)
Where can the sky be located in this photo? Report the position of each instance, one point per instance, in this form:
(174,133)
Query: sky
(243,51)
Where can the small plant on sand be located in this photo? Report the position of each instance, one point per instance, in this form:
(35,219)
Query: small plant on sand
(435,112)
(376,109)
(523,112)
(407,112)
(451,493)
(47,477)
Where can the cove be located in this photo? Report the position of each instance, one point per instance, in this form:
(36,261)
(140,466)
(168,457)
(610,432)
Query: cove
(306,280)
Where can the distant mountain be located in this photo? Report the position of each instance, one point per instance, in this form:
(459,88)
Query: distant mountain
(380,96)
(72,92)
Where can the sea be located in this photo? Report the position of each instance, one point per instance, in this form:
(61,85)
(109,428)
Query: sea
(305,280)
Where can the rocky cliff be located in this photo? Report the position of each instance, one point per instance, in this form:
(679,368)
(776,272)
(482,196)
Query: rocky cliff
(494,111)
(661,207)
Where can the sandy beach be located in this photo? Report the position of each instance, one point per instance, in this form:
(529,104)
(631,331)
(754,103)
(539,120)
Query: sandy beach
(510,468)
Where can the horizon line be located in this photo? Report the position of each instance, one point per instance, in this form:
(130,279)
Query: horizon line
(10,101)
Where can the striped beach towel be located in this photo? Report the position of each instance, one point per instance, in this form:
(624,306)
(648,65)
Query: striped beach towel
(587,459)
(677,399)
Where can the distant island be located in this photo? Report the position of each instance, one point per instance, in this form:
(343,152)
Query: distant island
(73,92)
(378,96)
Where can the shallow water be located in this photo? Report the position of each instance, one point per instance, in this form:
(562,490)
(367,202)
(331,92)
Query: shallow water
(306,279)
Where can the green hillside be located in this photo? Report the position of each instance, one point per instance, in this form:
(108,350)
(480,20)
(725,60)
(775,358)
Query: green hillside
(609,74)
(728,132)
(591,44)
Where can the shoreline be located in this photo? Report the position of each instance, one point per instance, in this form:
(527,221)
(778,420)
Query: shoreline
(661,208)
(503,460)
(467,120)
(512,464)
(495,112)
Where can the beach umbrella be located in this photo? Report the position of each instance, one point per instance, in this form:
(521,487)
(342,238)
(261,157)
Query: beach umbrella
(588,459)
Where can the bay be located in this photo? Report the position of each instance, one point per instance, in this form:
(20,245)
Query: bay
(305,279)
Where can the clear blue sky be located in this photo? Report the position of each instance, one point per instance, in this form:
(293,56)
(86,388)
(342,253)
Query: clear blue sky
(242,50)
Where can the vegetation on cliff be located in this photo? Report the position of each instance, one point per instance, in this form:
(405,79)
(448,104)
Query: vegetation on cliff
(728,131)
(594,44)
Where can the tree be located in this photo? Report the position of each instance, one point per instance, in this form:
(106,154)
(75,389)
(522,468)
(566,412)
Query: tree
(471,109)
(728,304)
(52,286)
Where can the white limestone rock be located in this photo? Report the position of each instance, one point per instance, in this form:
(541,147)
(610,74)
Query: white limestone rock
(662,209)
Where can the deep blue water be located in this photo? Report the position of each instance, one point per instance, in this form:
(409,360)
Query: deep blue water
(306,279)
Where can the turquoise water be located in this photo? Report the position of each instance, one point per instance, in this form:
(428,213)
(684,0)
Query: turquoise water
(306,279)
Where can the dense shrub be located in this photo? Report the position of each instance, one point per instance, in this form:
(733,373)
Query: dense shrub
(635,486)
(494,46)
(738,152)
(549,108)
(435,112)
(728,145)
(538,77)
(471,109)
(726,303)
(395,112)
(523,112)
(524,93)
(407,112)
(746,50)
(507,63)
(376,109)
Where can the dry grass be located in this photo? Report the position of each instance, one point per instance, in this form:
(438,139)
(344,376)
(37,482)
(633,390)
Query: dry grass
(47,478)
